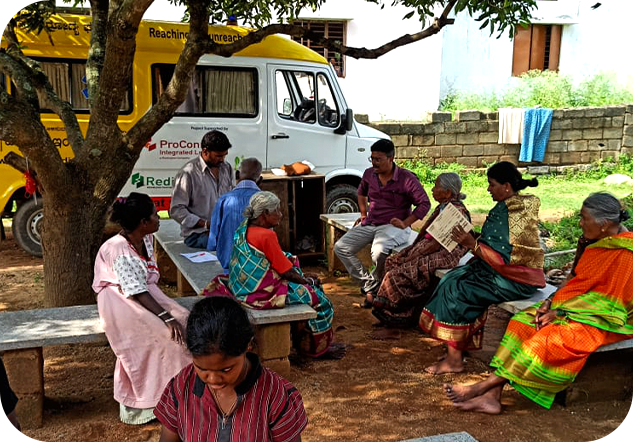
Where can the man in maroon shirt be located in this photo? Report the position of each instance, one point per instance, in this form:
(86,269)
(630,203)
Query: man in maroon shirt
(391,192)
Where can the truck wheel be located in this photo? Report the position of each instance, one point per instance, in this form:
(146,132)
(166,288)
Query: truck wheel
(27,225)
(342,198)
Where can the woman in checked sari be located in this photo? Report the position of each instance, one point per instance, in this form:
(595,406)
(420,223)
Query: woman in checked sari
(546,345)
(262,276)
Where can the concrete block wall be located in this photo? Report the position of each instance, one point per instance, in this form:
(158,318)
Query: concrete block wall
(577,136)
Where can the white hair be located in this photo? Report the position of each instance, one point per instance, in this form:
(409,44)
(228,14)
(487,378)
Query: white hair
(261,202)
(451,181)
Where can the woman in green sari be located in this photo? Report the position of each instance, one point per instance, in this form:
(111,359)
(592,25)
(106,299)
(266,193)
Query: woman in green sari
(507,266)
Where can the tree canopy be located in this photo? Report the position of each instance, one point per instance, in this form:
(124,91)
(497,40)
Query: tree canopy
(105,156)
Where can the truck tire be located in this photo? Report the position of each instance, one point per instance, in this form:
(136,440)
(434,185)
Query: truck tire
(27,225)
(342,198)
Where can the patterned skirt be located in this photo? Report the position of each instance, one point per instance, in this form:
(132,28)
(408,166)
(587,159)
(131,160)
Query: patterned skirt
(409,282)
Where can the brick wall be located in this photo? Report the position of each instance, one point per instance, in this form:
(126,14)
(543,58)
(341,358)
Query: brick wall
(578,136)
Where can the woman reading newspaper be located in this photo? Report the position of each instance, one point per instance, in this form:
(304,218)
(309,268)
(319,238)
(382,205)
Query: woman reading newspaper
(408,281)
(507,266)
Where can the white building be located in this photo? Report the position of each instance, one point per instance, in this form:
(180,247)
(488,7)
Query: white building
(591,37)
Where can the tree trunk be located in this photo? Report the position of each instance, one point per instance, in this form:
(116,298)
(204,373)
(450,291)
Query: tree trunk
(72,236)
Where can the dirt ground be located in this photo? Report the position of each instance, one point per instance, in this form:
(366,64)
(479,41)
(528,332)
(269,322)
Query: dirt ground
(378,392)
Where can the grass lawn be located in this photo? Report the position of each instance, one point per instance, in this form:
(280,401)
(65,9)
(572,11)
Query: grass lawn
(560,195)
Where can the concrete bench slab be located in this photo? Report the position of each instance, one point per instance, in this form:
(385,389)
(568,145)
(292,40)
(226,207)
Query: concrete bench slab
(337,224)
(24,333)
(448,437)
(197,274)
(81,325)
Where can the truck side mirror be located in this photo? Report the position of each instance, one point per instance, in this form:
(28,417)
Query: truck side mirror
(347,122)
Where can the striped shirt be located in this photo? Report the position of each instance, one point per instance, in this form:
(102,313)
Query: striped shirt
(269,408)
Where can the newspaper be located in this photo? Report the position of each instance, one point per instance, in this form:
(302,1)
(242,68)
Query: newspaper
(200,256)
(443,225)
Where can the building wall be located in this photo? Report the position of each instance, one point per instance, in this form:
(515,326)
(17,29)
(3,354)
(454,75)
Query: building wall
(475,62)
(595,43)
(401,85)
(577,136)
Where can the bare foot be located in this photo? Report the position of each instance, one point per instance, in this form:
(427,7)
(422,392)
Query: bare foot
(386,334)
(444,366)
(461,393)
(336,351)
(486,403)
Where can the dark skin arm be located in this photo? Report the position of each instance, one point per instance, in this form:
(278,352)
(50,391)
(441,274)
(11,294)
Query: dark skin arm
(362,205)
(147,301)
(293,276)
(168,436)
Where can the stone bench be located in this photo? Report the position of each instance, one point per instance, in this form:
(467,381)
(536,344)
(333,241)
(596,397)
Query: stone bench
(337,225)
(192,277)
(24,333)
(462,436)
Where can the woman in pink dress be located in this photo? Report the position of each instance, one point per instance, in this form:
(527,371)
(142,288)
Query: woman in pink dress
(144,326)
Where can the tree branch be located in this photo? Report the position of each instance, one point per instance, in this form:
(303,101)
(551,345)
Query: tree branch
(16,161)
(21,126)
(226,50)
(175,92)
(96,52)
(122,25)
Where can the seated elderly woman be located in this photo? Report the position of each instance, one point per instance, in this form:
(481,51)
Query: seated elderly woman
(507,266)
(546,345)
(262,276)
(408,281)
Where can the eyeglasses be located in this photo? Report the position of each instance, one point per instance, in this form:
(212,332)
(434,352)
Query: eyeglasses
(376,159)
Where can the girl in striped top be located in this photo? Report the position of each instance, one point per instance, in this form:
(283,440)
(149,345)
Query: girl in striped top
(226,394)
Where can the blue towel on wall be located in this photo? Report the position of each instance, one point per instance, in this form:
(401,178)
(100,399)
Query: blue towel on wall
(536,126)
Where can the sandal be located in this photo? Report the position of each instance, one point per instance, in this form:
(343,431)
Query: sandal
(367,304)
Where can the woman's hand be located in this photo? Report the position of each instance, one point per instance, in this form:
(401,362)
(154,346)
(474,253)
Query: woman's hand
(313,279)
(544,319)
(543,315)
(177,332)
(462,237)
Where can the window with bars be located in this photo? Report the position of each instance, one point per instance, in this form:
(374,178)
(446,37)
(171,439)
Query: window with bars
(332,29)
(536,47)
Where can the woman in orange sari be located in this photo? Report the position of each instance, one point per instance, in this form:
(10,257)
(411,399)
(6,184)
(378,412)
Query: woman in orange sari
(546,345)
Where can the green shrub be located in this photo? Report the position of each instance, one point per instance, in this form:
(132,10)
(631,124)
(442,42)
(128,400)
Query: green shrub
(543,88)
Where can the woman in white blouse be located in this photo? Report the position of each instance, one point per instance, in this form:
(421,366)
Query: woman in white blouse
(145,328)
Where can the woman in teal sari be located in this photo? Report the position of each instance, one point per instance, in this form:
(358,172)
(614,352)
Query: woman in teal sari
(507,266)
(262,276)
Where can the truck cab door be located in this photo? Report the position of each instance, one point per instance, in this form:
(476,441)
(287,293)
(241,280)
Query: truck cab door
(303,115)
